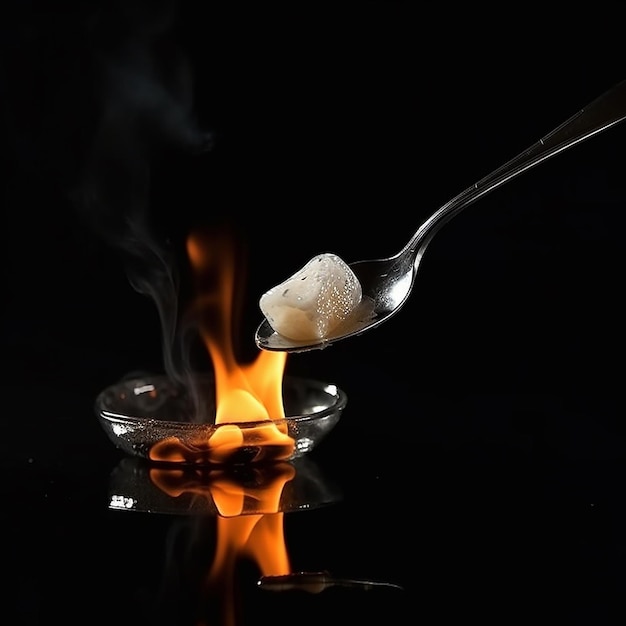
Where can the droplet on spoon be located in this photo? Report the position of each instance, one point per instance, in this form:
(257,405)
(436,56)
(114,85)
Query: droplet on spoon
(314,301)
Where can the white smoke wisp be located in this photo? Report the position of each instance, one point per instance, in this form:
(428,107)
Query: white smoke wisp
(144,110)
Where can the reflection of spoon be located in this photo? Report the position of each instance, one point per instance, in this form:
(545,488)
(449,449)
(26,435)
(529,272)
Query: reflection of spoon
(387,283)
(316,582)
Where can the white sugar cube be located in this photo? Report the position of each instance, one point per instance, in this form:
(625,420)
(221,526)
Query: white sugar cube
(309,305)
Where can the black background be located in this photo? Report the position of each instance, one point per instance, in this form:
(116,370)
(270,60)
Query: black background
(483,447)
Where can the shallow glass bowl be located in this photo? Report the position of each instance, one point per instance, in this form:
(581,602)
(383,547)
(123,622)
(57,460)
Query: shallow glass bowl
(154,418)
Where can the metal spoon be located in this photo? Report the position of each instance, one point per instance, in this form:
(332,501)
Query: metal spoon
(387,283)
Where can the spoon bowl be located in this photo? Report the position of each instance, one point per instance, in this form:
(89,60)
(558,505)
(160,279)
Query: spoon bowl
(387,282)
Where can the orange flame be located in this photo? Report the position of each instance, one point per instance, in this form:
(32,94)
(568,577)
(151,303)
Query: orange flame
(244,393)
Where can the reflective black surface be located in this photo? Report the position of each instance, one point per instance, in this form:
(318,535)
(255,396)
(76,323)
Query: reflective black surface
(481,459)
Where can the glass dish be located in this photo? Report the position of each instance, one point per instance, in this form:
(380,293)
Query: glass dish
(154,418)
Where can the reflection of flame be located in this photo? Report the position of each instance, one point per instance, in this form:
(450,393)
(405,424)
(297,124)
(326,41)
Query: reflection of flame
(241,533)
(186,490)
(255,491)
(244,393)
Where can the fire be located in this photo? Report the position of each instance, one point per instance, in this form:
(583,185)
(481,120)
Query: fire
(245,393)
(249,415)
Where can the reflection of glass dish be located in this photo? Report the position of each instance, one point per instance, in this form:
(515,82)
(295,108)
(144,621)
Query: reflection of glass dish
(153,418)
(139,486)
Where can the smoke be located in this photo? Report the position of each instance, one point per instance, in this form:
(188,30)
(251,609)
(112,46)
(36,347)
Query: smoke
(143,96)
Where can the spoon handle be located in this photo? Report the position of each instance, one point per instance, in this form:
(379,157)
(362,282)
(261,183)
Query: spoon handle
(599,115)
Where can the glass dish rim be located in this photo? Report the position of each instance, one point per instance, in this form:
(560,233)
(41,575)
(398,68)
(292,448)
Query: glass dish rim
(339,396)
